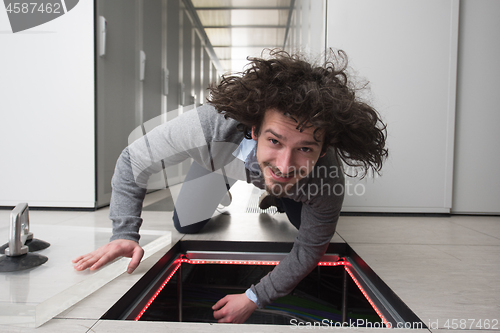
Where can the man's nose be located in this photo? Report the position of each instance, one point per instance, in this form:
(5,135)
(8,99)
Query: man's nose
(284,162)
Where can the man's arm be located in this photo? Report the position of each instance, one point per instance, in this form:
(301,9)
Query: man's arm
(314,236)
(168,144)
(125,212)
(308,248)
(303,257)
(319,218)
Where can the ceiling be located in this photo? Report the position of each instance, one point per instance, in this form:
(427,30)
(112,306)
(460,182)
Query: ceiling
(240,28)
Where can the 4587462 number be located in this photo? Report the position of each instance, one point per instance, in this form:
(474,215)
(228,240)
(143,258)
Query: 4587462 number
(468,324)
(33,7)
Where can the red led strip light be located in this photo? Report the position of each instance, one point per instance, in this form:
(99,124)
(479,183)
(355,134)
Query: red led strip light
(159,290)
(246,262)
(386,323)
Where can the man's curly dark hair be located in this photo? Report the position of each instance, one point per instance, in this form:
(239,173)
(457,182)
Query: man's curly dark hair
(319,96)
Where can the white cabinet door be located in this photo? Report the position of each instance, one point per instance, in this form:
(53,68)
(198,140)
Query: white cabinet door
(47,110)
(476,185)
(408,52)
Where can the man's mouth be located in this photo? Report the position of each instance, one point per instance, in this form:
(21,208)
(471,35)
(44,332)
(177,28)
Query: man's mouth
(278,176)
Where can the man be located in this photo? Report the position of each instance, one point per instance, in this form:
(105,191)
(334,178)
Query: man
(283,125)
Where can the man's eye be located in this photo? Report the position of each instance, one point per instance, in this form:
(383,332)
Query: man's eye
(305,149)
(274,141)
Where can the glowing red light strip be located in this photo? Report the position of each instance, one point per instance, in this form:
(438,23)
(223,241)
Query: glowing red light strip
(241,262)
(159,290)
(329,263)
(247,262)
(387,324)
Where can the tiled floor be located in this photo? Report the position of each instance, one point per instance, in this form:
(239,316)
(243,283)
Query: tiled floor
(443,268)
(446,269)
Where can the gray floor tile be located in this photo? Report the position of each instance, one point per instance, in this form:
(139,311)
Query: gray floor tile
(488,225)
(409,230)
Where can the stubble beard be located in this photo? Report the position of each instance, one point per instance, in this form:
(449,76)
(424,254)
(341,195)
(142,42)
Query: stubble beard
(275,188)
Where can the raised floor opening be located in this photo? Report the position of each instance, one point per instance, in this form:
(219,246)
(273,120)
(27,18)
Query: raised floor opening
(184,285)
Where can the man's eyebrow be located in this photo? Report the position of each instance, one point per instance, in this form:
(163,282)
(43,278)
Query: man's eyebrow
(301,143)
(279,136)
(308,143)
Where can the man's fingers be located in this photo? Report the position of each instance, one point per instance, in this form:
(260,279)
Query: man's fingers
(101,258)
(109,252)
(233,309)
(219,315)
(219,304)
(78,259)
(101,261)
(83,258)
(84,262)
(81,267)
(136,259)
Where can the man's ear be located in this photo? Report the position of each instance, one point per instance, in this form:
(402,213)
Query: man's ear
(254,136)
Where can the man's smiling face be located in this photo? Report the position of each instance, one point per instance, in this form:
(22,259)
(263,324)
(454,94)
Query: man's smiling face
(284,153)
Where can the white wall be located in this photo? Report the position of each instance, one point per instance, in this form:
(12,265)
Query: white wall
(477,156)
(408,51)
(47,111)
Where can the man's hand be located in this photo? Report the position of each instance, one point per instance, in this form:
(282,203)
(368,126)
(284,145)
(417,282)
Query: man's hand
(110,251)
(233,309)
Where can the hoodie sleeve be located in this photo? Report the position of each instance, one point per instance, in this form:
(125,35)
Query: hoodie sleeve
(319,217)
(165,145)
